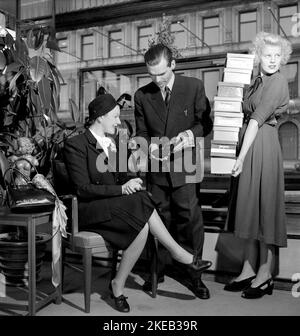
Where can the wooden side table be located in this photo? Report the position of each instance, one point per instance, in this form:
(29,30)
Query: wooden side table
(31,221)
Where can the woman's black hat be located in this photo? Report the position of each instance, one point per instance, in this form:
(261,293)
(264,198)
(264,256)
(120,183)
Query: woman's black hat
(101,105)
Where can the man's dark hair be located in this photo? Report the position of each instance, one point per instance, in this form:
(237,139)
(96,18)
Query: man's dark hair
(154,54)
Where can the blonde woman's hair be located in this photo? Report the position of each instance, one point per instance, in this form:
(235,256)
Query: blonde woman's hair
(262,39)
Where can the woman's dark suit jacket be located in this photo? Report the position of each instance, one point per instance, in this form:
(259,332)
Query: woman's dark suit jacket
(91,186)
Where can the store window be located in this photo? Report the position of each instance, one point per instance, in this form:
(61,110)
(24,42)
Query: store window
(290,71)
(89,90)
(144,35)
(285,14)
(143,80)
(247,25)
(115,47)
(288,137)
(63,56)
(210,80)
(119,80)
(87,47)
(179,34)
(211,30)
(113,81)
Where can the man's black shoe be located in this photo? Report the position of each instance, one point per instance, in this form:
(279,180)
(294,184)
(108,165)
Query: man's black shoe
(147,286)
(199,289)
(199,265)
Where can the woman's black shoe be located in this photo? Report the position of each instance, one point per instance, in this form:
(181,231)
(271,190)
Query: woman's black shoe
(238,286)
(259,291)
(120,302)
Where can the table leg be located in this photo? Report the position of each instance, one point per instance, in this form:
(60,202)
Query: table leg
(31,267)
(58,299)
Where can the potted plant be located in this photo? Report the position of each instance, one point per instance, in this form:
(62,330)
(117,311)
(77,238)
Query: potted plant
(29,100)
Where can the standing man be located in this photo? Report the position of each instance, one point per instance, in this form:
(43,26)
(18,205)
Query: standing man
(174,106)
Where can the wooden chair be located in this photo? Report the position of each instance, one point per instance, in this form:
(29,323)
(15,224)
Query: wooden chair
(89,244)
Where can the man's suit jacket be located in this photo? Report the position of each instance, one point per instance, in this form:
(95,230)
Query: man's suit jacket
(92,187)
(189,108)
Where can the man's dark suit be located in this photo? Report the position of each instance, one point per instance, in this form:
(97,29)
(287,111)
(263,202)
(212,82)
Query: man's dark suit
(188,109)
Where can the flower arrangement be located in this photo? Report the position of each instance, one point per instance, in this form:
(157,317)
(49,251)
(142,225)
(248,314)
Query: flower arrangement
(165,37)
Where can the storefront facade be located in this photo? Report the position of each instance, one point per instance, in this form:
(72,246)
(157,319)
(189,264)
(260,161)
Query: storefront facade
(103,41)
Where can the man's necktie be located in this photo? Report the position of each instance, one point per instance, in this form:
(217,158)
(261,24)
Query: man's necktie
(167,96)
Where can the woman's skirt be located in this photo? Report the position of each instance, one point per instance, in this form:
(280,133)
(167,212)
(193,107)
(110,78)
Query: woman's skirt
(257,208)
(129,214)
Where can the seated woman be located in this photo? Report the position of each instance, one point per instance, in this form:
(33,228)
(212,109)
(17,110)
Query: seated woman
(122,213)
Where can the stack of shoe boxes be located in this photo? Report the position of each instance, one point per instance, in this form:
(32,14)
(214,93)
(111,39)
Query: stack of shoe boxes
(228,116)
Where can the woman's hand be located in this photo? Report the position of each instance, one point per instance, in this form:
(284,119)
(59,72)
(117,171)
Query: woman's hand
(237,168)
(132,186)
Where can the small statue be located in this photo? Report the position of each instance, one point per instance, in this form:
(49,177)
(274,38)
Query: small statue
(25,150)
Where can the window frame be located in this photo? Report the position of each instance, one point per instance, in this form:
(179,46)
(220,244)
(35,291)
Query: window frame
(183,30)
(66,54)
(240,13)
(204,28)
(291,62)
(139,36)
(280,17)
(111,40)
(84,44)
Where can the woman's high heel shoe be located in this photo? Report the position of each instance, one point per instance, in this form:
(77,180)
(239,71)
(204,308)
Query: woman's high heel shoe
(238,286)
(120,301)
(259,291)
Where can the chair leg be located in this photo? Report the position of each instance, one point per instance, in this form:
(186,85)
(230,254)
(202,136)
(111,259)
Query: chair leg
(114,264)
(87,270)
(154,266)
(58,299)
(63,258)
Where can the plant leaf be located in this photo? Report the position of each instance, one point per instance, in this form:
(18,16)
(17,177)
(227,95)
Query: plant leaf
(13,67)
(54,104)
(33,99)
(2,60)
(3,163)
(35,38)
(12,84)
(74,110)
(59,75)
(38,68)
(21,51)
(9,40)
(45,92)
(54,76)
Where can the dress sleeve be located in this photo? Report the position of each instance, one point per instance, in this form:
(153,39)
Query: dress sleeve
(274,100)
(76,158)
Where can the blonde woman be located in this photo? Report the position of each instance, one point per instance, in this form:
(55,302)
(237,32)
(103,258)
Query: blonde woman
(257,204)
